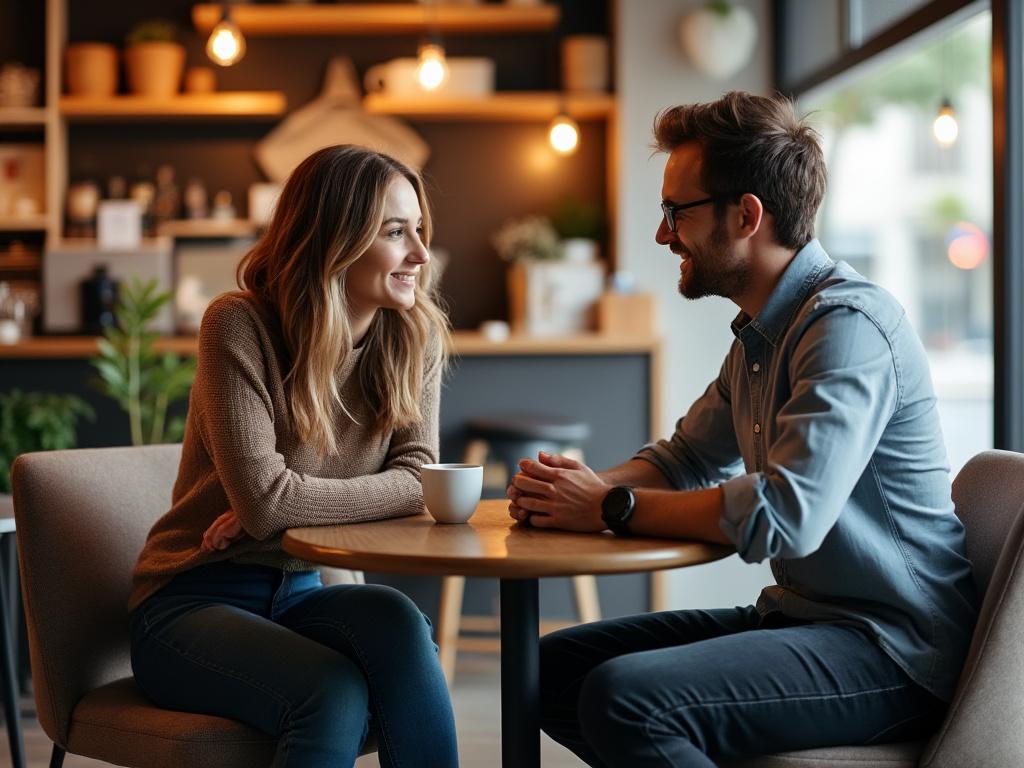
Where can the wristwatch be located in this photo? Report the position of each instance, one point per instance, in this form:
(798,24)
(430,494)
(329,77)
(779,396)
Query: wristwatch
(617,509)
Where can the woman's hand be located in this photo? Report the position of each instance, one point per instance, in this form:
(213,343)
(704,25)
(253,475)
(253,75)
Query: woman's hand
(222,533)
(557,492)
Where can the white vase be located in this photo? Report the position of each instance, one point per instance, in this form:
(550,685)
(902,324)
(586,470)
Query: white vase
(579,250)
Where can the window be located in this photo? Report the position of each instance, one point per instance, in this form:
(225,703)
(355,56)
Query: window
(916,217)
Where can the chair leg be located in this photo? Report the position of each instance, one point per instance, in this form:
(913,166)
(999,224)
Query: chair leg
(588,605)
(57,757)
(448,619)
(476,452)
(12,708)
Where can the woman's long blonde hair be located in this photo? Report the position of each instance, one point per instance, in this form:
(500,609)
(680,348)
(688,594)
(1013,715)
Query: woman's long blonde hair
(330,211)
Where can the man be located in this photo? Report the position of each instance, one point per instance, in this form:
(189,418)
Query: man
(825,398)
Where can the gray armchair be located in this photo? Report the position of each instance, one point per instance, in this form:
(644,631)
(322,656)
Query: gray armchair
(82,518)
(984,727)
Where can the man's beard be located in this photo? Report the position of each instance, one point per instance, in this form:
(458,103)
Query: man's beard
(713,269)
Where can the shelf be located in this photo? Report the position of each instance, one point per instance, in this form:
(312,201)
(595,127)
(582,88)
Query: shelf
(20,262)
(199,228)
(379,19)
(37,223)
(237,105)
(464,343)
(70,347)
(523,105)
(22,117)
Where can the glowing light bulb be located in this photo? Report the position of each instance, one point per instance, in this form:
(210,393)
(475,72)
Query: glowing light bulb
(945,126)
(226,45)
(433,69)
(564,135)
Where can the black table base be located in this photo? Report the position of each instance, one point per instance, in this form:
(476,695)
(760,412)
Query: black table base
(520,674)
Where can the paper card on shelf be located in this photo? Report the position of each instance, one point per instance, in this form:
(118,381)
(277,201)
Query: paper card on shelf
(118,225)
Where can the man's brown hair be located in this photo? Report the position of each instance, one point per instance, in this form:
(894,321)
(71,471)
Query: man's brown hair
(754,144)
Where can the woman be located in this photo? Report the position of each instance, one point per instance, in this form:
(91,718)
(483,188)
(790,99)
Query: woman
(315,402)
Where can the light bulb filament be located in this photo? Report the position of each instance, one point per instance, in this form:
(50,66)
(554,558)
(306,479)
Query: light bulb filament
(226,45)
(433,67)
(564,135)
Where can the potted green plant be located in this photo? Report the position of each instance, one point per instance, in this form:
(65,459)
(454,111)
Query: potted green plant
(143,381)
(154,59)
(35,421)
(580,225)
(547,295)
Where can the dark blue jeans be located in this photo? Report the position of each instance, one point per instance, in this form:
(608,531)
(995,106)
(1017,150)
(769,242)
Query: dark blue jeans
(315,667)
(683,688)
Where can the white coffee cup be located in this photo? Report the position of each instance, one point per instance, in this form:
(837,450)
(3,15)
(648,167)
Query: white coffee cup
(451,491)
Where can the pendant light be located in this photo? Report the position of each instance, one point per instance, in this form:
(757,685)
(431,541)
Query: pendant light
(433,66)
(226,45)
(564,134)
(945,127)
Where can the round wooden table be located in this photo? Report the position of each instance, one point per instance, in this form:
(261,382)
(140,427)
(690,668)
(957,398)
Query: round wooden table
(492,544)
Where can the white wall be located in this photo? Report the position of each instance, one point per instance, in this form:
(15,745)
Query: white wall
(652,73)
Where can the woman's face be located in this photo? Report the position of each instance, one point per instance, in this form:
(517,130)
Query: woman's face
(385,276)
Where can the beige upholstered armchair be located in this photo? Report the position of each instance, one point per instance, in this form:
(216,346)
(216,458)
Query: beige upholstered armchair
(82,518)
(985,724)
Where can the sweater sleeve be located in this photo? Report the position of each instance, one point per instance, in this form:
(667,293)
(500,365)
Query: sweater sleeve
(236,405)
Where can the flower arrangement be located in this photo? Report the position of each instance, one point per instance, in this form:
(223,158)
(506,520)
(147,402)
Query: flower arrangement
(532,237)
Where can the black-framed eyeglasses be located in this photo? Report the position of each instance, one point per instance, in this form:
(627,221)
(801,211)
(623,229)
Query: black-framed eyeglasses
(670,210)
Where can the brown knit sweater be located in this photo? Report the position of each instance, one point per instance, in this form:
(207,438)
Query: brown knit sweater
(240,453)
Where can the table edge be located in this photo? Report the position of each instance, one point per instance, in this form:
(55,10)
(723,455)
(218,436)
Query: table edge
(640,562)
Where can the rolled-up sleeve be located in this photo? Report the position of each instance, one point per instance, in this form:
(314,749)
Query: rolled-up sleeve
(703,450)
(845,389)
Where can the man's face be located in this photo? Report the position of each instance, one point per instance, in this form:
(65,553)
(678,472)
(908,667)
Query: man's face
(709,262)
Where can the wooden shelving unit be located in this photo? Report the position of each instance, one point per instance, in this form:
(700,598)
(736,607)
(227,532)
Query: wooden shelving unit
(22,117)
(237,105)
(512,106)
(379,19)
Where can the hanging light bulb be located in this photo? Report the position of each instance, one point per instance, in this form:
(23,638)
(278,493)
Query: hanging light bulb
(433,67)
(226,45)
(564,134)
(945,126)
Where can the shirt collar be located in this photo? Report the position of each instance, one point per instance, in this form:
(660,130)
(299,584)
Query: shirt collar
(799,277)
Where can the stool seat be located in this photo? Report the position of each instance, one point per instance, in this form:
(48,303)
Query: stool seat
(527,428)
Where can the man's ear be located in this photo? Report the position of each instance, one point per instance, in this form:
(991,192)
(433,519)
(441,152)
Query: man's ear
(751,215)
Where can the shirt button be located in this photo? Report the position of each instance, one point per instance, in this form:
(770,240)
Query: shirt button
(757,429)
(755,367)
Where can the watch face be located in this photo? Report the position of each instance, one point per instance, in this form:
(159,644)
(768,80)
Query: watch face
(616,504)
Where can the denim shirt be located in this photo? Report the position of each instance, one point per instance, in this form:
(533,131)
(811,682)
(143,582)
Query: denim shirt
(826,399)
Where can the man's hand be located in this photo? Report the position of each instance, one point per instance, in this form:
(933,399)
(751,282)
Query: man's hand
(557,492)
(222,533)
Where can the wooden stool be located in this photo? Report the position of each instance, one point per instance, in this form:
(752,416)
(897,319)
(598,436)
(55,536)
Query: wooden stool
(506,440)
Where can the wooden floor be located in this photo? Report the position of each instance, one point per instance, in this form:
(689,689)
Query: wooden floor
(475,698)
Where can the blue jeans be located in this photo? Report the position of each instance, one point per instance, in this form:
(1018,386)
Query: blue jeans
(315,667)
(683,688)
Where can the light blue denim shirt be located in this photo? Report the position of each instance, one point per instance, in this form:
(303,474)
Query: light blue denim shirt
(826,399)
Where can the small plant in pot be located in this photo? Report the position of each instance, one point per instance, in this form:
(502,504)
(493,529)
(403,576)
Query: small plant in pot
(143,381)
(154,59)
(580,225)
(36,421)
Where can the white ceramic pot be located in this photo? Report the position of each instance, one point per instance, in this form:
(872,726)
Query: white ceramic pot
(467,76)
